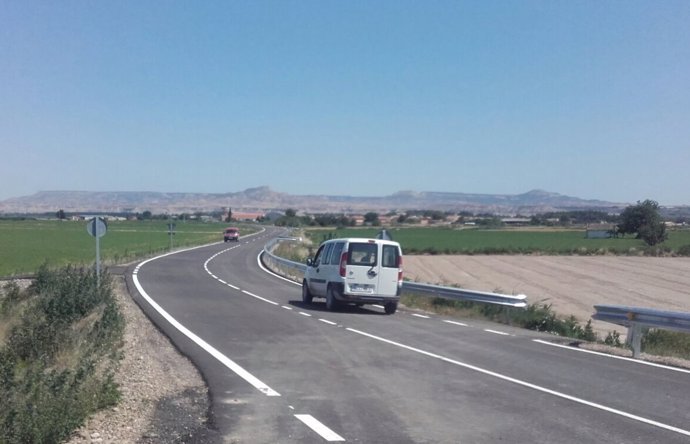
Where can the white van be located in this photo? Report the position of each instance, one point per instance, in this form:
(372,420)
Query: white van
(355,270)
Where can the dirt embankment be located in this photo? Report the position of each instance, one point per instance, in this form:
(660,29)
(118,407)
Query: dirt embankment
(571,284)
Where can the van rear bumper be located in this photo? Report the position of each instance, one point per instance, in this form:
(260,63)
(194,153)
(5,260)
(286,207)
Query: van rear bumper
(342,296)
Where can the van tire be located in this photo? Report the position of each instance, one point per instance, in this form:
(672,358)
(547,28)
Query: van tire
(331,301)
(306,294)
(390,307)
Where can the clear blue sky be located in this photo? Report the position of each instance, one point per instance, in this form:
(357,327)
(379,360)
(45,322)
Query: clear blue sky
(584,98)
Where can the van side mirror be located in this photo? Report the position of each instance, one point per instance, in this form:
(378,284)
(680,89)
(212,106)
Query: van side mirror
(310,262)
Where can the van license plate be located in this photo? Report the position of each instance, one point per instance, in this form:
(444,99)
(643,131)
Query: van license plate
(364,288)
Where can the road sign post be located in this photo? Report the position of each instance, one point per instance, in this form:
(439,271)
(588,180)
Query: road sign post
(171,233)
(97,228)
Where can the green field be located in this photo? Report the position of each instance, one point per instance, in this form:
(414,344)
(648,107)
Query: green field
(25,245)
(506,241)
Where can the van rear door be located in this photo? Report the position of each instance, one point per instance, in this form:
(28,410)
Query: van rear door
(362,275)
(390,272)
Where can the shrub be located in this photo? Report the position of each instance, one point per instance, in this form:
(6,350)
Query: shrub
(613,338)
(58,360)
(667,343)
(684,250)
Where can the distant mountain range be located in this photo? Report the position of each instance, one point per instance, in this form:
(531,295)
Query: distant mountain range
(265,199)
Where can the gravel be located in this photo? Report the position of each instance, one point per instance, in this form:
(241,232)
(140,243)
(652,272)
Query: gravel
(164,398)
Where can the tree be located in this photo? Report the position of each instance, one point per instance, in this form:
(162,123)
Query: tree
(372,218)
(644,221)
(290,212)
(229,217)
(60,214)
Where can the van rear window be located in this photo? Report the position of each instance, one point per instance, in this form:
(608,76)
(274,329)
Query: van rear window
(390,256)
(362,254)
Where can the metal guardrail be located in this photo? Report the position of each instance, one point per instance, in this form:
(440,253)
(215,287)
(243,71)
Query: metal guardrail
(295,271)
(637,318)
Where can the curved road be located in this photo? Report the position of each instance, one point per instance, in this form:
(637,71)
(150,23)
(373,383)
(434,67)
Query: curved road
(282,372)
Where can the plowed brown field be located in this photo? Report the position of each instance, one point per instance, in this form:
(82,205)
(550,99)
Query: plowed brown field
(571,284)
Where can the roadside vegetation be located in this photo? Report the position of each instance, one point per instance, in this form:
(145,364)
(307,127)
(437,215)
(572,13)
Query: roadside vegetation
(59,349)
(26,244)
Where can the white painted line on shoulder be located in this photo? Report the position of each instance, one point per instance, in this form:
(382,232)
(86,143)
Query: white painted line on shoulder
(496,332)
(527,384)
(328,322)
(318,427)
(233,287)
(378,306)
(222,281)
(229,363)
(258,261)
(623,358)
(305,314)
(286,307)
(259,297)
(420,316)
(456,323)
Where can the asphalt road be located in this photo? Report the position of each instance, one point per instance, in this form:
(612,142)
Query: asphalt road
(282,372)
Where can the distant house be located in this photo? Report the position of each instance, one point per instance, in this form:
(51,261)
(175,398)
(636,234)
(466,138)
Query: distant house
(600,231)
(245,216)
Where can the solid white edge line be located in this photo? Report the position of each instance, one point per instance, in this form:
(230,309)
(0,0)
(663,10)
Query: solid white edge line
(326,321)
(318,427)
(528,385)
(623,358)
(258,261)
(229,363)
(455,323)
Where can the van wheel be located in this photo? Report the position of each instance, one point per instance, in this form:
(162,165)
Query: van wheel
(306,294)
(331,301)
(390,307)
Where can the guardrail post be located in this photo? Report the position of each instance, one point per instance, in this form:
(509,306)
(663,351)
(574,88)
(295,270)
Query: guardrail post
(635,338)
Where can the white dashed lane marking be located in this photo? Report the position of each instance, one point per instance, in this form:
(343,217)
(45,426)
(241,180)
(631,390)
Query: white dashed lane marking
(323,431)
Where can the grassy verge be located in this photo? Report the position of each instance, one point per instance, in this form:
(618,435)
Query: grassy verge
(59,348)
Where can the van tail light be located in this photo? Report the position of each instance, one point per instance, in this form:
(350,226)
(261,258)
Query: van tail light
(400,270)
(343,263)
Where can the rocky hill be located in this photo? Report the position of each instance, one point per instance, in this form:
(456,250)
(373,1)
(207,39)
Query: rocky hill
(265,199)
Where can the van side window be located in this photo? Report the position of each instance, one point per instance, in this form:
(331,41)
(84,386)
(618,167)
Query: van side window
(337,251)
(362,254)
(327,254)
(390,256)
(317,256)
